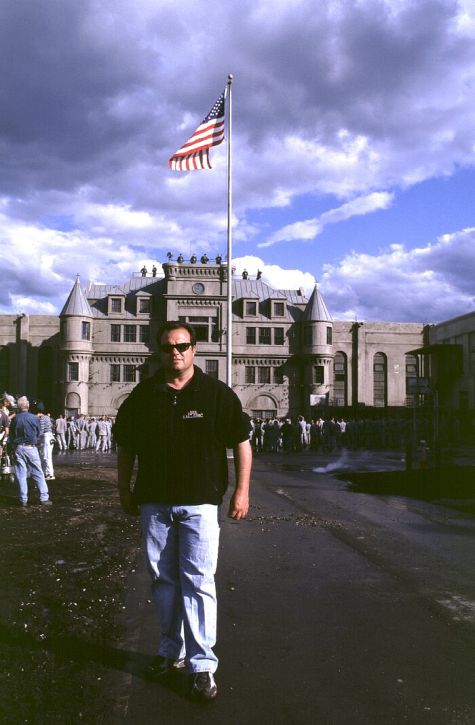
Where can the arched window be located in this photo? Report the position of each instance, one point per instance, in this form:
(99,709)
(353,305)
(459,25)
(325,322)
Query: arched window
(380,380)
(263,406)
(73,405)
(340,379)
(411,378)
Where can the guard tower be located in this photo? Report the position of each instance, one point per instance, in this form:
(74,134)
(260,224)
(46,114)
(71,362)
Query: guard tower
(76,330)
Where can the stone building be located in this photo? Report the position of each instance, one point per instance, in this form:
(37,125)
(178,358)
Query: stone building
(289,355)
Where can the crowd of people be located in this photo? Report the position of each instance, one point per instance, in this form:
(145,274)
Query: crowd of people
(83,433)
(53,435)
(26,436)
(287,435)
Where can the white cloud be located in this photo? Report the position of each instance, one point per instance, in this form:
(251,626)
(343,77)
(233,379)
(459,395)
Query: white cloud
(297,231)
(113,216)
(98,97)
(426,284)
(311,228)
(30,305)
(275,276)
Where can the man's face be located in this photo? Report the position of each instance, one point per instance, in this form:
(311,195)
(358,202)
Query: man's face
(172,359)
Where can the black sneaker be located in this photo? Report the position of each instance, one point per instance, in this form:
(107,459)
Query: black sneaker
(204,686)
(161,667)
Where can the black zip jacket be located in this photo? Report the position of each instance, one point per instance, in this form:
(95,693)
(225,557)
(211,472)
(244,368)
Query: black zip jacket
(180,438)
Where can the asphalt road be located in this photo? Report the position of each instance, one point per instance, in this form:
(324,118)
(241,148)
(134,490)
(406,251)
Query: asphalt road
(334,608)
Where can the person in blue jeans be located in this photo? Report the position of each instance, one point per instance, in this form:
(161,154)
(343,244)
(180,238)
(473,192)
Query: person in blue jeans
(23,437)
(179,424)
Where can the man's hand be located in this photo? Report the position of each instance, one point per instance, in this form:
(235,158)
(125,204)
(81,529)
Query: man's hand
(127,504)
(238,506)
(125,465)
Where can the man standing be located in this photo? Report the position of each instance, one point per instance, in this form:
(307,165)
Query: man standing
(61,428)
(187,420)
(24,434)
(71,433)
(45,443)
(101,434)
(7,403)
(82,432)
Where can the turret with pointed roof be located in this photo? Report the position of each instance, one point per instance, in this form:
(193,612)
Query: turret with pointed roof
(76,344)
(317,346)
(316,309)
(76,305)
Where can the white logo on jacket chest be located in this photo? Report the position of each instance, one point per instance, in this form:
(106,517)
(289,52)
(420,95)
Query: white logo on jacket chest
(192,415)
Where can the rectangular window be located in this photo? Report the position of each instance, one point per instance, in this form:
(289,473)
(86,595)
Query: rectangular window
(130,333)
(201,332)
(308,335)
(264,374)
(329,335)
(318,374)
(279,309)
(144,306)
(144,333)
(85,330)
(212,368)
(129,373)
(379,385)
(264,414)
(250,374)
(116,304)
(250,335)
(115,373)
(279,337)
(264,336)
(206,328)
(215,331)
(278,376)
(73,371)
(115,333)
(251,309)
(200,325)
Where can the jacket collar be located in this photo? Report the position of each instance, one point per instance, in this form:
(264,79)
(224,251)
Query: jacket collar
(193,384)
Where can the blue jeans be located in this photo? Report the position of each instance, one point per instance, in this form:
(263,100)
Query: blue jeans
(181,545)
(27,462)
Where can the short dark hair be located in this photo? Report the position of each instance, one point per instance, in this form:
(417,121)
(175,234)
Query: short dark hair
(176,325)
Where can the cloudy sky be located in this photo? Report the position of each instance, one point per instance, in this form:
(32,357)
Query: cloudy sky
(353,147)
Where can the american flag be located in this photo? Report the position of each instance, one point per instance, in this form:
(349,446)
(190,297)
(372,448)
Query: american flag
(194,154)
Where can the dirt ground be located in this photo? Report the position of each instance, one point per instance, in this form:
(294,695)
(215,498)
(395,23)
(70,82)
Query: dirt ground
(62,574)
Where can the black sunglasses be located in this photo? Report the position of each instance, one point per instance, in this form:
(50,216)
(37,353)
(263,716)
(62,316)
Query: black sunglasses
(179,346)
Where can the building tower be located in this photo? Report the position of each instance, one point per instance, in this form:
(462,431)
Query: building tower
(76,351)
(317,349)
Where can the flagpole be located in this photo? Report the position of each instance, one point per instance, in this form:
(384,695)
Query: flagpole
(229,328)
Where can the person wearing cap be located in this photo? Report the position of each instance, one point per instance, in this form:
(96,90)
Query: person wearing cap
(24,434)
(188,420)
